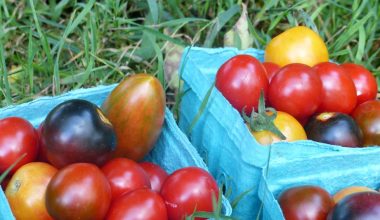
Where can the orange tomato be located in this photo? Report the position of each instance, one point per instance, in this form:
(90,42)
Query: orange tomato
(350,190)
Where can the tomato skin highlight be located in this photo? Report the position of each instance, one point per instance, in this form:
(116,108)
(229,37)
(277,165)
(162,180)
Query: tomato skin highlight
(156,174)
(240,80)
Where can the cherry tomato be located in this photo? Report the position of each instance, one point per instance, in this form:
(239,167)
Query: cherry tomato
(78,191)
(305,202)
(367,116)
(17,137)
(296,89)
(350,190)
(365,82)
(271,69)
(339,92)
(240,80)
(143,204)
(156,174)
(42,157)
(26,191)
(187,190)
(297,45)
(125,175)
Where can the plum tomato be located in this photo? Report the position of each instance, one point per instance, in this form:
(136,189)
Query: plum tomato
(140,204)
(350,190)
(125,175)
(187,190)
(17,137)
(365,82)
(296,89)
(156,174)
(78,191)
(305,202)
(367,116)
(240,80)
(271,69)
(26,191)
(339,92)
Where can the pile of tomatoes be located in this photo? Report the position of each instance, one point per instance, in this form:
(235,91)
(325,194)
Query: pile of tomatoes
(84,162)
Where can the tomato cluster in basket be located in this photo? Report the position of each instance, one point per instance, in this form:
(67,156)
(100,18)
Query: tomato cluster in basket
(309,96)
(83,161)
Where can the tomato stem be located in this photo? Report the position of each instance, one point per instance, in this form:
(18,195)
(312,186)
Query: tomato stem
(4,175)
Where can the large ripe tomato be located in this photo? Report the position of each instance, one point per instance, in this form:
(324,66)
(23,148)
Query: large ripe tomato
(305,202)
(296,89)
(367,116)
(78,191)
(136,108)
(125,175)
(339,92)
(297,45)
(240,80)
(17,137)
(187,190)
(156,174)
(365,82)
(143,204)
(26,191)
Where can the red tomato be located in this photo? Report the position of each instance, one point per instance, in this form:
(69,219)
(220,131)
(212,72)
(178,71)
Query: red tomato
(125,175)
(365,82)
(240,80)
(17,137)
(339,92)
(143,204)
(296,89)
(42,157)
(156,174)
(78,191)
(367,116)
(271,69)
(187,190)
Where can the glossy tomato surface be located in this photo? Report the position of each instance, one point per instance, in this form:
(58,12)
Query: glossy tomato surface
(187,190)
(338,92)
(140,204)
(17,137)
(271,69)
(305,202)
(349,191)
(78,191)
(364,80)
(367,116)
(296,89)
(156,174)
(26,191)
(125,175)
(240,80)
(136,108)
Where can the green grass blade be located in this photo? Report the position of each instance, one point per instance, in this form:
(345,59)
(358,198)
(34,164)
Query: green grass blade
(361,44)
(153,8)
(29,70)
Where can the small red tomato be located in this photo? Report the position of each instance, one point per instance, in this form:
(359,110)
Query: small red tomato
(78,191)
(367,116)
(271,69)
(125,175)
(140,204)
(187,190)
(338,92)
(240,80)
(156,174)
(365,82)
(42,157)
(17,137)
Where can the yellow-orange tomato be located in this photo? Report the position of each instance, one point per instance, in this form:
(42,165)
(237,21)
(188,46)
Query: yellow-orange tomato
(350,190)
(25,191)
(297,45)
(289,127)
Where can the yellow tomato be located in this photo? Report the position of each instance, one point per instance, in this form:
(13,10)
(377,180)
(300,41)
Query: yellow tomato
(289,127)
(297,45)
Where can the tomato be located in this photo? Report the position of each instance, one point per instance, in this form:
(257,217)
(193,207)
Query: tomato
(187,190)
(271,69)
(78,191)
(17,137)
(365,82)
(240,80)
(296,45)
(339,92)
(350,190)
(125,175)
(26,191)
(288,126)
(41,156)
(156,174)
(296,89)
(136,108)
(143,204)
(305,202)
(367,116)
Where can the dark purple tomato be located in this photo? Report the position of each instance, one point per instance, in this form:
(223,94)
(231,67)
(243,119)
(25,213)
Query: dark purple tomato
(367,116)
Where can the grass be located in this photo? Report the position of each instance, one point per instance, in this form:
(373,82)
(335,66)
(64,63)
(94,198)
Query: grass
(50,47)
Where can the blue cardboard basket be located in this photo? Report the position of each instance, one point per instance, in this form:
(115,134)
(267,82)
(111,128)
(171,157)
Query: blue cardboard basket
(172,150)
